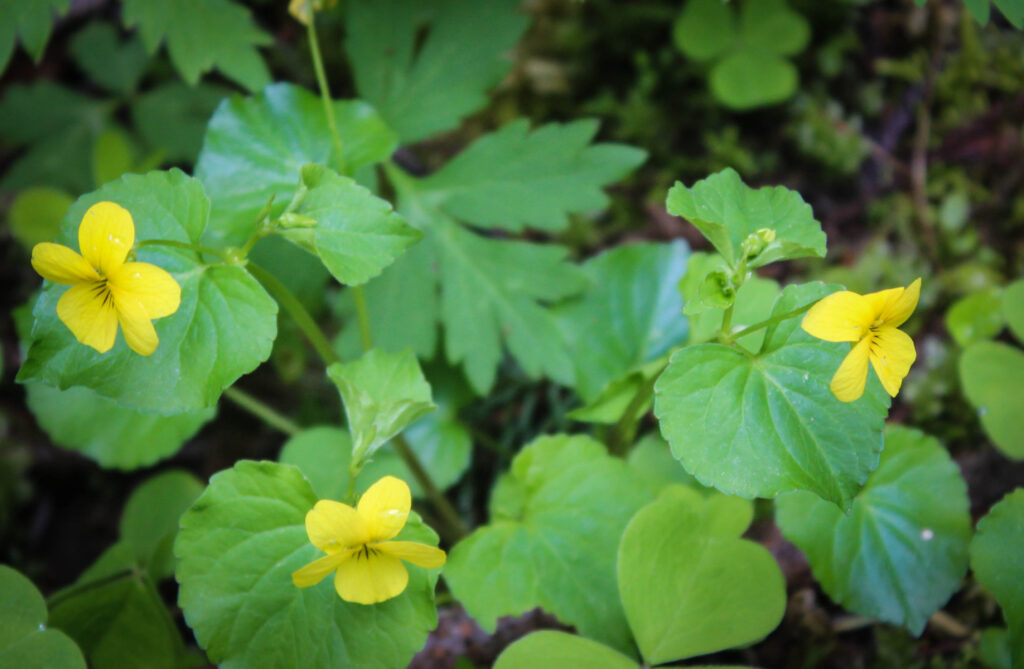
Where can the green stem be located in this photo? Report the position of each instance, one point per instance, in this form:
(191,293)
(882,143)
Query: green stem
(291,304)
(723,333)
(625,430)
(262,411)
(74,590)
(184,245)
(771,321)
(325,93)
(363,315)
(456,528)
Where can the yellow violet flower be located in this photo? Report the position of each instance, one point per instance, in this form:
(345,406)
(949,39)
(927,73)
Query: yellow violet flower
(368,566)
(870,322)
(106,290)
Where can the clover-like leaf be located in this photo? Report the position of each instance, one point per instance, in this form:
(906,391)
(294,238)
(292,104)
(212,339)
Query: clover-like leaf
(757,425)
(555,519)
(690,587)
(224,328)
(382,392)
(255,148)
(117,66)
(26,641)
(901,551)
(997,558)
(237,548)
(727,212)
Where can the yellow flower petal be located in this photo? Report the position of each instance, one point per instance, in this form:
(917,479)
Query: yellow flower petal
(848,382)
(139,333)
(60,264)
(892,354)
(333,526)
(370,577)
(88,311)
(842,316)
(385,508)
(315,571)
(151,287)
(106,235)
(899,307)
(418,554)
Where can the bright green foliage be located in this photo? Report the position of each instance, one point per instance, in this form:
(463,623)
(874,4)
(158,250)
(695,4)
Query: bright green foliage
(758,425)
(224,327)
(691,587)
(901,552)
(115,614)
(557,650)
(356,234)
(171,118)
(990,373)
(383,392)
(994,649)
(425,66)
(652,459)
(25,640)
(149,522)
(538,177)
(58,127)
(753,303)
(201,35)
(727,212)
(1013,308)
(29,21)
(237,548)
(628,316)
(747,53)
(112,155)
(491,291)
(997,558)
(112,435)
(36,213)
(976,317)
(323,454)
(556,518)
(255,147)
(115,65)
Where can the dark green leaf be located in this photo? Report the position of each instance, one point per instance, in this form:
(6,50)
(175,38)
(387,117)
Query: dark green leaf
(149,522)
(908,528)
(111,63)
(515,178)
(201,35)
(997,558)
(425,66)
(31,21)
(705,30)
(172,118)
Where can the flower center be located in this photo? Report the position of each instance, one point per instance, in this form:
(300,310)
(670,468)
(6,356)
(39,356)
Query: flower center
(100,290)
(366,551)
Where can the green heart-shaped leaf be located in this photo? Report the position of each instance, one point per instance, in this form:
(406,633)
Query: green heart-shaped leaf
(690,587)
(997,558)
(25,640)
(901,551)
(990,373)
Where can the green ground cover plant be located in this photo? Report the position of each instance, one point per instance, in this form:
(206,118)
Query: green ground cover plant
(459,333)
